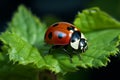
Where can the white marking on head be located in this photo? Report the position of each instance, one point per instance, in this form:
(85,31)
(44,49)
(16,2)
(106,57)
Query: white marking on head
(82,36)
(76,29)
(75,44)
(71,31)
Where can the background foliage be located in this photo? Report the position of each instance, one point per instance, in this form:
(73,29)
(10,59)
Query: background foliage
(22,39)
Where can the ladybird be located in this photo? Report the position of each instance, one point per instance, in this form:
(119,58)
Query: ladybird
(66,36)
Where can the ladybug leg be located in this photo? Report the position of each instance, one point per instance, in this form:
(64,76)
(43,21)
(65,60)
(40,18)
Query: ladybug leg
(65,49)
(77,54)
(62,48)
(68,54)
(50,50)
(54,47)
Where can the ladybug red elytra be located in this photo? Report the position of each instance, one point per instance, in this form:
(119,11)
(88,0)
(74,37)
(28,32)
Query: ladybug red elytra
(66,35)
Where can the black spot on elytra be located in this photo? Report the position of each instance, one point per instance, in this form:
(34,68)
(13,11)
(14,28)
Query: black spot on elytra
(54,25)
(70,28)
(50,35)
(60,35)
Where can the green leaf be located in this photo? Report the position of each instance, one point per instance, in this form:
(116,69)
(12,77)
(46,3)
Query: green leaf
(28,26)
(13,71)
(112,8)
(102,44)
(102,32)
(24,40)
(94,19)
(21,51)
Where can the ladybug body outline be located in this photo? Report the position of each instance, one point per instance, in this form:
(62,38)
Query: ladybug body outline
(66,35)
(59,33)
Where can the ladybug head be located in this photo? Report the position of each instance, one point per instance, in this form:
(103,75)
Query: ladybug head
(78,42)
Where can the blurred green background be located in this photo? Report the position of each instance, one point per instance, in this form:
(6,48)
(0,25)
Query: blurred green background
(51,11)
